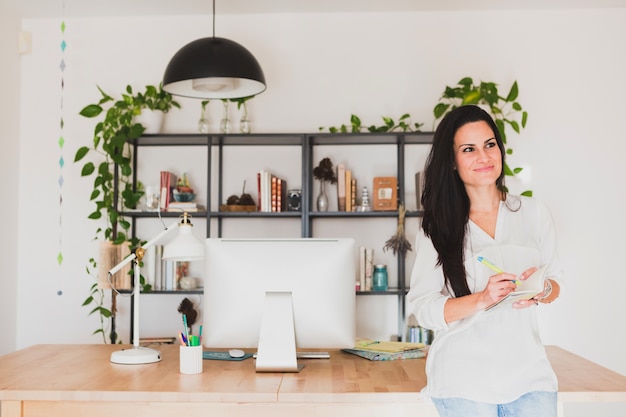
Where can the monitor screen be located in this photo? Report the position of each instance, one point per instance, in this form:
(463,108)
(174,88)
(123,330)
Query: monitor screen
(276,295)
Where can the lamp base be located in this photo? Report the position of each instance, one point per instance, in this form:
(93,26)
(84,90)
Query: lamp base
(136,356)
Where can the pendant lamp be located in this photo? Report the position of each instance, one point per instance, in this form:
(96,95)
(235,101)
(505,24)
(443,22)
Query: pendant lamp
(213,68)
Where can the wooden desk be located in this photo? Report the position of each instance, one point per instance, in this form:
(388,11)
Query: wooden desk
(73,380)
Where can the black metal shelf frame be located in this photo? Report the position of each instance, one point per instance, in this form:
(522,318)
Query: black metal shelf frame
(307,143)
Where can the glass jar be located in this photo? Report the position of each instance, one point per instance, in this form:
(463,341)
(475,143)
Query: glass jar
(379,278)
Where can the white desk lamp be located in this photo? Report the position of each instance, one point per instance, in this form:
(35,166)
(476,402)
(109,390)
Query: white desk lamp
(184,247)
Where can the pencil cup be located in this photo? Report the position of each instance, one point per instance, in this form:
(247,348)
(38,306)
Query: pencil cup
(191,359)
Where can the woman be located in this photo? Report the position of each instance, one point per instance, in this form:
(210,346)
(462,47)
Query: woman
(483,362)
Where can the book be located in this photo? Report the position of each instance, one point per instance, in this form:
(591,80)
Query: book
(361,268)
(385,193)
(419,187)
(353,194)
(386,356)
(168,183)
(369,268)
(341,187)
(526,290)
(348,191)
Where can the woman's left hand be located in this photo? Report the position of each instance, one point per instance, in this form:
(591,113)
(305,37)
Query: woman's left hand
(519,304)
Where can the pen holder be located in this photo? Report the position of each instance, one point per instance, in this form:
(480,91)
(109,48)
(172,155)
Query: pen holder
(191,359)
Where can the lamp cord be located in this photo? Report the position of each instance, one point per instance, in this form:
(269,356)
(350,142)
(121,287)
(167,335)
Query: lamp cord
(213,18)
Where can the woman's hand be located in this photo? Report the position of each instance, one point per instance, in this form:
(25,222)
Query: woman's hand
(498,287)
(519,304)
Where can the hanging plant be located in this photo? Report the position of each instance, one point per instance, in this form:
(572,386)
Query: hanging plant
(404,124)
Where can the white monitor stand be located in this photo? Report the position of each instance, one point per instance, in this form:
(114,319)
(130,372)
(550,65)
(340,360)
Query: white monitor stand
(277,338)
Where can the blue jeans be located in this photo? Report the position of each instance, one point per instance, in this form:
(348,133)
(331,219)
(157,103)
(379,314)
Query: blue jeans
(533,404)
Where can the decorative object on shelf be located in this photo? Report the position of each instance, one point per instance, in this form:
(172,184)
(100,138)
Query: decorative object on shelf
(380,281)
(365,201)
(506,111)
(183,193)
(225,121)
(111,140)
(214,68)
(244,122)
(243,202)
(398,242)
(203,122)
(294,200)
(322,198)
(385,193)
(389,125)
(324,172)
(184,247)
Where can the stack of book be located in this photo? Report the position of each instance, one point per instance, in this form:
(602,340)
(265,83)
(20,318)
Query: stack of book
(375,350)
(272,191)
(187,206)
(346,189)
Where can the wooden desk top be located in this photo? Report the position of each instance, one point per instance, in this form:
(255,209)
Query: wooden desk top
(84,373)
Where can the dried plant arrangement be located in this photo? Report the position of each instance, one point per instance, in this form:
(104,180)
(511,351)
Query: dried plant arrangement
(325,171)
(398,242)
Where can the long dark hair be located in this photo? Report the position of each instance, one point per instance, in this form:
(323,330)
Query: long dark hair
(445,201)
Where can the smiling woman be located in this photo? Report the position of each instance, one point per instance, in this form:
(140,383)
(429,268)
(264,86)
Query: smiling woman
(468,215)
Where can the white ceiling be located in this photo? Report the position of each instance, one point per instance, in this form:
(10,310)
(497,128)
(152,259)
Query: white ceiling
(102,8)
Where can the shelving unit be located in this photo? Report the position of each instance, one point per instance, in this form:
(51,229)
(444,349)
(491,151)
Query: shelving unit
(304,146)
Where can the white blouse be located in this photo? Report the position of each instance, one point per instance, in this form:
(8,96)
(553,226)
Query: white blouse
(493,356)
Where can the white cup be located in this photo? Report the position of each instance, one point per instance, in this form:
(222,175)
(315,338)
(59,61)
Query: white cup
(191,359)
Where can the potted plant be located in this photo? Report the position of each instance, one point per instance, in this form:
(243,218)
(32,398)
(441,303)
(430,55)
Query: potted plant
(111,168)
(324,172)
(505,110)
(150,107)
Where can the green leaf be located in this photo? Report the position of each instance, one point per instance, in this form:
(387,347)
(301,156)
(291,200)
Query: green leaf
(80,153)
(518,170)
(516,106)
(527,193)
(467,82)
(440,109)
(471,97)
(524,119)
(514,125)
(88,169)
(513,93)
(91,110)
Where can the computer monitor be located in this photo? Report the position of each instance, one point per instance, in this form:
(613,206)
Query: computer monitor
(277,295)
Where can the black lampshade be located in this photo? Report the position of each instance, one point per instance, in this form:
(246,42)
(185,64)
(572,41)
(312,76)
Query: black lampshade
(213,68)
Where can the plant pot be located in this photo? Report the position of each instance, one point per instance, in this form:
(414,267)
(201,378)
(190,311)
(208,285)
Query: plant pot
(151,120)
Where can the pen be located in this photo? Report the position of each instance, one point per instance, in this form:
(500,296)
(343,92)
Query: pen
(186,327)
(494,268)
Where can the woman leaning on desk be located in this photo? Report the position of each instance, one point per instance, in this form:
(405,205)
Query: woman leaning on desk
(482,362)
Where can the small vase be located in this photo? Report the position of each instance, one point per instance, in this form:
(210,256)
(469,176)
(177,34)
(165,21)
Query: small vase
(322,198)
(203,122)
(244,123)
(225,122)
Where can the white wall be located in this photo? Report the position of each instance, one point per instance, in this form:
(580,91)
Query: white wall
(9,141)
(320,68)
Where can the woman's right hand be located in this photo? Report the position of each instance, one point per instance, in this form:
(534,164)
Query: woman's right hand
(498,287)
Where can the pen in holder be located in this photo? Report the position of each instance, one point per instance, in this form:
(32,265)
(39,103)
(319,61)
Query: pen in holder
(191,359)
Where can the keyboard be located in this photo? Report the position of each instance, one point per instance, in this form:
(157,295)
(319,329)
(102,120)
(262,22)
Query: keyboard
(310,355)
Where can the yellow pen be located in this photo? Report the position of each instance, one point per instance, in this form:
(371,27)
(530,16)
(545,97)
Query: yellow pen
(494,268)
